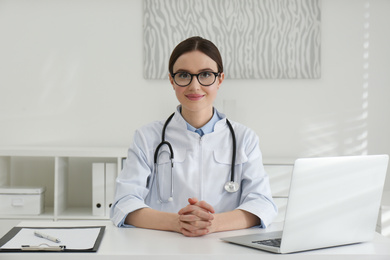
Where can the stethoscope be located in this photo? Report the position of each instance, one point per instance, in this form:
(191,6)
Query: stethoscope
(230,186)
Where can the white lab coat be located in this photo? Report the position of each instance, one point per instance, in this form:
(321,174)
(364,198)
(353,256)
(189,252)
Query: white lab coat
(201,169)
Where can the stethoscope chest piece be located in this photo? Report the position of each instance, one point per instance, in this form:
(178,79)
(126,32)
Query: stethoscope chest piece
(232,186)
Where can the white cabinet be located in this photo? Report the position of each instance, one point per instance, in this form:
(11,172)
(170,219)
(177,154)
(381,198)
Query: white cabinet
(66,173)
(280,178)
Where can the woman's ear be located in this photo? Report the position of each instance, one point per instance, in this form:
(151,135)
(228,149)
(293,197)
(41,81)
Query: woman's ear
(220,79)
(171,80)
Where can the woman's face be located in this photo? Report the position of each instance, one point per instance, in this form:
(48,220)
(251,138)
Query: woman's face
(195,97)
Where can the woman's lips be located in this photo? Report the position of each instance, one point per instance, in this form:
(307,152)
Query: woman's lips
(194,97)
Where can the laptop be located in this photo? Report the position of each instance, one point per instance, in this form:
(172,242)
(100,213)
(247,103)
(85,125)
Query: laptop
(332,201)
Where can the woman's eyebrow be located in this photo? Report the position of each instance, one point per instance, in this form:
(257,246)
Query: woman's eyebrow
(201,70)
(206,69)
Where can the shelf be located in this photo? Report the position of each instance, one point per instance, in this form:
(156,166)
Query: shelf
(63,151)
(78,213)
(48,214)
(65,172)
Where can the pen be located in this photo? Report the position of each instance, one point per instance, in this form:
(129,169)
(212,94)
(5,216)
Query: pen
(45,236)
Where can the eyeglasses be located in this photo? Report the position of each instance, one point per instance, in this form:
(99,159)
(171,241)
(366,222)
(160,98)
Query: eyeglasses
(205,78)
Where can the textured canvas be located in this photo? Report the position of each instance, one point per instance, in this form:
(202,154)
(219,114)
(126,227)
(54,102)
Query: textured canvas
(258,39)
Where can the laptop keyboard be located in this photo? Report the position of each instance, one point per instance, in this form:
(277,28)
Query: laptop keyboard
(269,242)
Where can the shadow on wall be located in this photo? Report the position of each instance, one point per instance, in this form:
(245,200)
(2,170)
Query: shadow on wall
(322,134)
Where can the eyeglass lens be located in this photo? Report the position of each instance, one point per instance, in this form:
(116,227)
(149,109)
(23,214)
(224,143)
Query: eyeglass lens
(204,78)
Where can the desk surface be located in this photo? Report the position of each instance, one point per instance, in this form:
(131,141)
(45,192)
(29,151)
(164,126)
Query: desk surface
(134,243)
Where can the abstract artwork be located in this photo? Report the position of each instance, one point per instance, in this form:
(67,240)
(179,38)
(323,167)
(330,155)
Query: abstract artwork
(258,39)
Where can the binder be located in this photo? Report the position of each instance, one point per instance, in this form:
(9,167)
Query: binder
(98,189)
(111,169)
(95,240)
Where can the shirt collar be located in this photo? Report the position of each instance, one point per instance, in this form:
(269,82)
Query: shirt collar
(208,127)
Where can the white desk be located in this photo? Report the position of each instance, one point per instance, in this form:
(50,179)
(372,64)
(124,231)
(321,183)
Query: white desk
(134,243)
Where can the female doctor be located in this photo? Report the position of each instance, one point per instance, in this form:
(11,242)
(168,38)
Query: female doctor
(178,173)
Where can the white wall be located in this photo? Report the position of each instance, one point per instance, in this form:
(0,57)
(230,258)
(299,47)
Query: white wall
(71,75)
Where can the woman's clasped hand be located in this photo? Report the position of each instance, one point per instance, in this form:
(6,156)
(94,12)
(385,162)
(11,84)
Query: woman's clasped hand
(196,219)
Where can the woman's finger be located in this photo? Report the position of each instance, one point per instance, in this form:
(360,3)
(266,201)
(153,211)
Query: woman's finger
(196,211)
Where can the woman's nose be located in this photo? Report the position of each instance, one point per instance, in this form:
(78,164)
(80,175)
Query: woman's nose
(194,83)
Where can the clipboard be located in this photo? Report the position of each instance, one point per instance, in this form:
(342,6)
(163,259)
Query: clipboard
(46,247)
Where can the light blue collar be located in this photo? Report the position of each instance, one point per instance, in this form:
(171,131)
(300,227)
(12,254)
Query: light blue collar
(207,128)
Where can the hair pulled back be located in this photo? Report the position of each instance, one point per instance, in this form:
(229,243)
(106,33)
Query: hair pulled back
(196,43)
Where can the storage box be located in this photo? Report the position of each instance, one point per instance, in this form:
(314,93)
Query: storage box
(22,201)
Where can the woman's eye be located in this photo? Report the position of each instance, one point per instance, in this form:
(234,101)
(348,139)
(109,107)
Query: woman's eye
(184,75)
(205,74)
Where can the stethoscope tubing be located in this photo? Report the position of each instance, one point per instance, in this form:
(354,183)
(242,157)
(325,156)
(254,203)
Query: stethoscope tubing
(234,150)
(163,142)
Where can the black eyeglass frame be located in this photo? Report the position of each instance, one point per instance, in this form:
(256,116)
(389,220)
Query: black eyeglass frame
(216,74)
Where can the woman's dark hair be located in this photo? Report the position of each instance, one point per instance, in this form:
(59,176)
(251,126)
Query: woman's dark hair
(196,43)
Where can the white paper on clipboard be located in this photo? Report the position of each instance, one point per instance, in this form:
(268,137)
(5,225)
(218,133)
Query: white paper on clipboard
(72,238)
